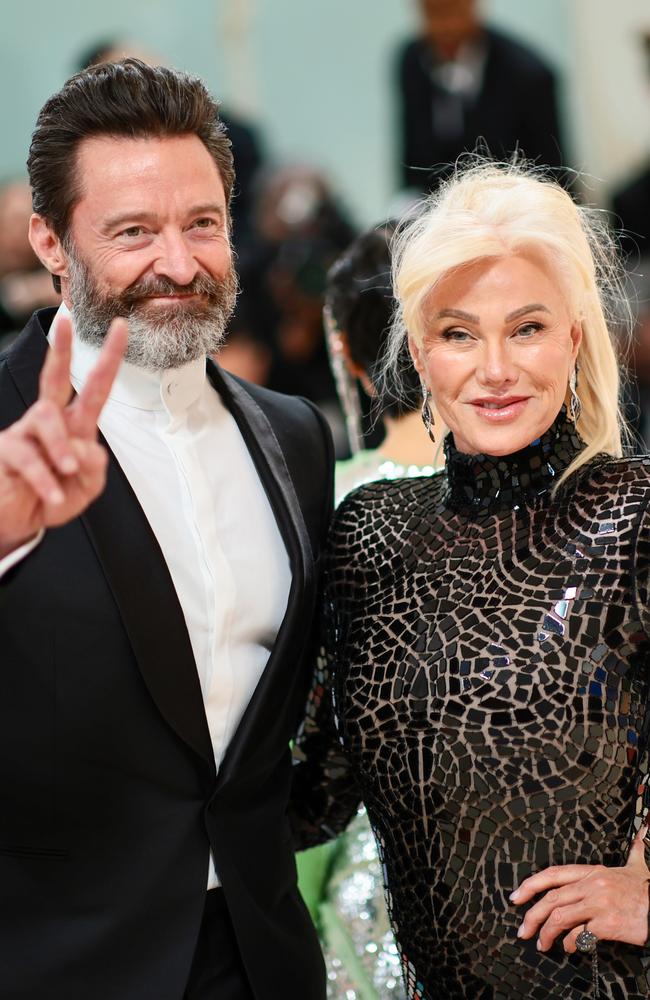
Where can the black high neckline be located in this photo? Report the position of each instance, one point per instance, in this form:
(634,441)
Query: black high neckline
(487,482)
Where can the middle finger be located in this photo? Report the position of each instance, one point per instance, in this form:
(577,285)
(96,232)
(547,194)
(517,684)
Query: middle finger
(562,919)
(549,902)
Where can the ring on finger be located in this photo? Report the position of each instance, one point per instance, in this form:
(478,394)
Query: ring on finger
(586,941)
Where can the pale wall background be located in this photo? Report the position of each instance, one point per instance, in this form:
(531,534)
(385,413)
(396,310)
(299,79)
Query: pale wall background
(316,74)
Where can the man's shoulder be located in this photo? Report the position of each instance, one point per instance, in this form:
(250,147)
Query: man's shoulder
(515,56)
(20,365)
(30,344)
(288,415)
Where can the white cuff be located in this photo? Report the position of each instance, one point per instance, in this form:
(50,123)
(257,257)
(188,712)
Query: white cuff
(19,554)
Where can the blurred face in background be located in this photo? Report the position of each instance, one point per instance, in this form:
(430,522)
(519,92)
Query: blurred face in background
(16,253)
(498,348)
(449,23)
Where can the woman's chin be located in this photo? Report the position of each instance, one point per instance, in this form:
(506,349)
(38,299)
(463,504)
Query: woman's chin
(499,441)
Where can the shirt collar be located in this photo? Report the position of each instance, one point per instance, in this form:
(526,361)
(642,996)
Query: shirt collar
(173,390)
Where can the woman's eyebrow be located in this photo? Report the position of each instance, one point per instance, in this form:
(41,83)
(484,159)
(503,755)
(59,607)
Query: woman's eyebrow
(457,314)
(533,307)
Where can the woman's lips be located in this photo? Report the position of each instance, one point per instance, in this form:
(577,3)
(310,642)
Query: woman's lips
(497,411)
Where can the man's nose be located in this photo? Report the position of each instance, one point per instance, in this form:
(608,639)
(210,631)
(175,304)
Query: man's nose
(174,259)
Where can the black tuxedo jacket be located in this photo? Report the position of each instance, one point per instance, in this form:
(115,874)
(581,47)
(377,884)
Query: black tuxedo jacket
(109,799)
(515,108)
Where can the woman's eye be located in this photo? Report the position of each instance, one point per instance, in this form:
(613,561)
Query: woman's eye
(528,330)
(458,336)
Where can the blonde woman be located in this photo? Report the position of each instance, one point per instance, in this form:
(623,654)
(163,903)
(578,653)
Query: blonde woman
(487,657)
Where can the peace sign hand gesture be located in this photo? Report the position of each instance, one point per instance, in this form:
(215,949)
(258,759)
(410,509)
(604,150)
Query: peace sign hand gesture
(51,464)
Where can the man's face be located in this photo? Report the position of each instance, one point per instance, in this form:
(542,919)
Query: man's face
(149,240)
(448,23)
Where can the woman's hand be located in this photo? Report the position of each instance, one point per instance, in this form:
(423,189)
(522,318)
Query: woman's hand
(612,902)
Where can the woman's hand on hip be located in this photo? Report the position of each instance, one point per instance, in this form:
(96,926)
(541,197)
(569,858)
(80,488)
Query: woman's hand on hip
(612,902)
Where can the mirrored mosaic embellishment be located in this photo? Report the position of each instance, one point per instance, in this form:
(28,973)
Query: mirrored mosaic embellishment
(488,655)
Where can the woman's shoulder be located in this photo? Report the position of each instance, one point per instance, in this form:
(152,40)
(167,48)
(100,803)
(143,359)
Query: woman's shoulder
(616,476)
(372,516)
(387,496)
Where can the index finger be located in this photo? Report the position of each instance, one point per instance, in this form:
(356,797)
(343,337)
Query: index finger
(84,411)
(549,878)
(54,382)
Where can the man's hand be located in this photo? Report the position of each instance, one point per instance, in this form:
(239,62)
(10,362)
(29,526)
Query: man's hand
(51,464)
(611,902)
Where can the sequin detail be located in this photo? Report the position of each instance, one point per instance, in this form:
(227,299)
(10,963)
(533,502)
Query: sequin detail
(485,691)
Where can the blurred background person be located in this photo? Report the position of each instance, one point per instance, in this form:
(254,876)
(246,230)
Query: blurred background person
(359,306)
(25,285)
(300,230)
(636,357)
(461,81)
(342,881)
(631,201)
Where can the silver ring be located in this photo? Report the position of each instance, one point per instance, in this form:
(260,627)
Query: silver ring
(586,942)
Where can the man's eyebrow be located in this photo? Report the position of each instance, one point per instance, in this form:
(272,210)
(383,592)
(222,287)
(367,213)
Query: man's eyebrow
(457,314)
(533,307)
(114,221)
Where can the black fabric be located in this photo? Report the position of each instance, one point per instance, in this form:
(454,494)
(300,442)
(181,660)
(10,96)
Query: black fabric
(484,689)
(515,108)
(109,802)
(632,207)
(217,969)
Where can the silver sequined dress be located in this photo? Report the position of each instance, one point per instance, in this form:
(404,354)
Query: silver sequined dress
(484,690)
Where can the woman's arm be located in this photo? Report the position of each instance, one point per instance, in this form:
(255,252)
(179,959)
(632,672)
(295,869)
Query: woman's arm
(325,794)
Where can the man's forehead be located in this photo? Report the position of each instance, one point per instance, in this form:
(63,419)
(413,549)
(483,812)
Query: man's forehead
(115,162)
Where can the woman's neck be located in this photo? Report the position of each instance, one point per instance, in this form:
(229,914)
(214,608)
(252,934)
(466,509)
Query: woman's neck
(406,442)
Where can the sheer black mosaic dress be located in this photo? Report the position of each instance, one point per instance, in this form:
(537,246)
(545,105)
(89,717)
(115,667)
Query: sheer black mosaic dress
(488,656)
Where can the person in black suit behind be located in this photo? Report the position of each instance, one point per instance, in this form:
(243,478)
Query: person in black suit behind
(157,585)
(631,204)
(461,82)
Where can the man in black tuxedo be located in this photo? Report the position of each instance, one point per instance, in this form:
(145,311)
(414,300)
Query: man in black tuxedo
(460,82)
(157,584)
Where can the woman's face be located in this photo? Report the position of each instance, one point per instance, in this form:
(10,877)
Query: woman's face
(498,348)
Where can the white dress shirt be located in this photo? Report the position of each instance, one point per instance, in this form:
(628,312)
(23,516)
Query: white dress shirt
(188,465)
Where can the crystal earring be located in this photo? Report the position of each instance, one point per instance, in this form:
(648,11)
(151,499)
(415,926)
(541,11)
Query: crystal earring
(427,416)
(575,406)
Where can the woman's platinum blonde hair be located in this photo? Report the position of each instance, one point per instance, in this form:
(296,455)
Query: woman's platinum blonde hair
(495,210)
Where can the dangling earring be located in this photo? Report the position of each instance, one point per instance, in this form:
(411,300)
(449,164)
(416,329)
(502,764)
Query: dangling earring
(575,406)
(427,416)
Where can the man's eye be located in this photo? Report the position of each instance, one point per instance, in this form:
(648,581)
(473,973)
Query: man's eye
(132,231)
(204,223)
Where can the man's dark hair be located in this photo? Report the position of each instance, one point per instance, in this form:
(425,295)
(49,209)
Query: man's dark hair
(124,99)
(360,297)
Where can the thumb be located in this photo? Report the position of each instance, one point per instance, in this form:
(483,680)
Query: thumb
(639,849)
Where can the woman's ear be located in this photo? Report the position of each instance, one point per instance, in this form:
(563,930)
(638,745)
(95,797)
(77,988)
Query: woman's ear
(576,339)
(47,246)
(416,354)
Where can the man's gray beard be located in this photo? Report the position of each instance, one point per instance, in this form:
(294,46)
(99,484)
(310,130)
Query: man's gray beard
(165,338)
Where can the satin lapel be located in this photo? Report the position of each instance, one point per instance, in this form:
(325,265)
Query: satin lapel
(138,577)
(270,694)
(145,595)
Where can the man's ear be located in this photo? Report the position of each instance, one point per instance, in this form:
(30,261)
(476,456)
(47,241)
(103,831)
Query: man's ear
(47,246)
